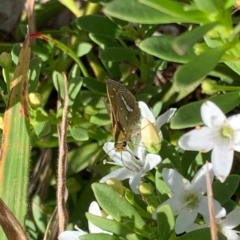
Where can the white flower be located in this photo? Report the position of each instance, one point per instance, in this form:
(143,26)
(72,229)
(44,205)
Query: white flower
(220,134)
(188,198)
(133,165)
(224,225)
(74,235)
(161,120)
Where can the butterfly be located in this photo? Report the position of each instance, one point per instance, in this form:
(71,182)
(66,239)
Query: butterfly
(125,113)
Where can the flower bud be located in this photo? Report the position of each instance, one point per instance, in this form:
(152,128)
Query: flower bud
(129,196)
(5,60)
(150,137)
(116,185)
(151,209)
(35,100)
(145,189)
(209,86)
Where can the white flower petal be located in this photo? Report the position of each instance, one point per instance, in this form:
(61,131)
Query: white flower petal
(200,139)
(184,220)
(203,208)
(195,226)
(236,141)
(232,219)
(174,203)
(165,117)
(146,112)
(176,182)
(134,182)
(95,209)
(222,158)
(71,235)
(199,180)
(230,234)
(151,161)
(233,122)
(120,174)
(211,114)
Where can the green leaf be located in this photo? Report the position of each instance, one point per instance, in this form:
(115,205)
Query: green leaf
(197,68)
(116,206)
(120,54)
(94,85)
(169,151)
(189,115)
(166,222)
(83,48)
(109,225)
(229,187)
(185,41)
(42,128)
(176,9)
(82,157)
(78,133)
(58,83)
(209,6)
(134,11)
(34,72)
(201,234)
(99,25)
(74,87)
(161,47)
(98,236)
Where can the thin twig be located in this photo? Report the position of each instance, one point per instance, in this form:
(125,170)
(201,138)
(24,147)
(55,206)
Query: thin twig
(213,225)
(62,193)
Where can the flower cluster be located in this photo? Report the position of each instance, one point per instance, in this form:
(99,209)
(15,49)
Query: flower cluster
(188,199)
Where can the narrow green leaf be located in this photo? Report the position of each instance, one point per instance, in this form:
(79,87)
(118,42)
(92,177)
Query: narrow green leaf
(74,87)
(209,6)
(109,225)
(116,206)
(228,188)
(166,222)
(99,25)
(197,68)
(161,47)
(185,42)
(95,86)
(15,148)
(189,115)
(134,11)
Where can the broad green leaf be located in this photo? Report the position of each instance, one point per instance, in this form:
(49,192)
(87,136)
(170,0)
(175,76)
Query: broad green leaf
(116,206)
(161,47)
(200,234)
(99,236)
(110,225)
(189,115)
(103,41)
(229,187)
(209,6)
(78,133)
(176,9)
(166,222)
(82,157)
(185,42)
(120,54)
(197,68)
(99,25)
(41,128)
(134,11)
(83,48)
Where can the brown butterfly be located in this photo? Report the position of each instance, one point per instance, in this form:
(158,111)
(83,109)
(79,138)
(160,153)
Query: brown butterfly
(125,113)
